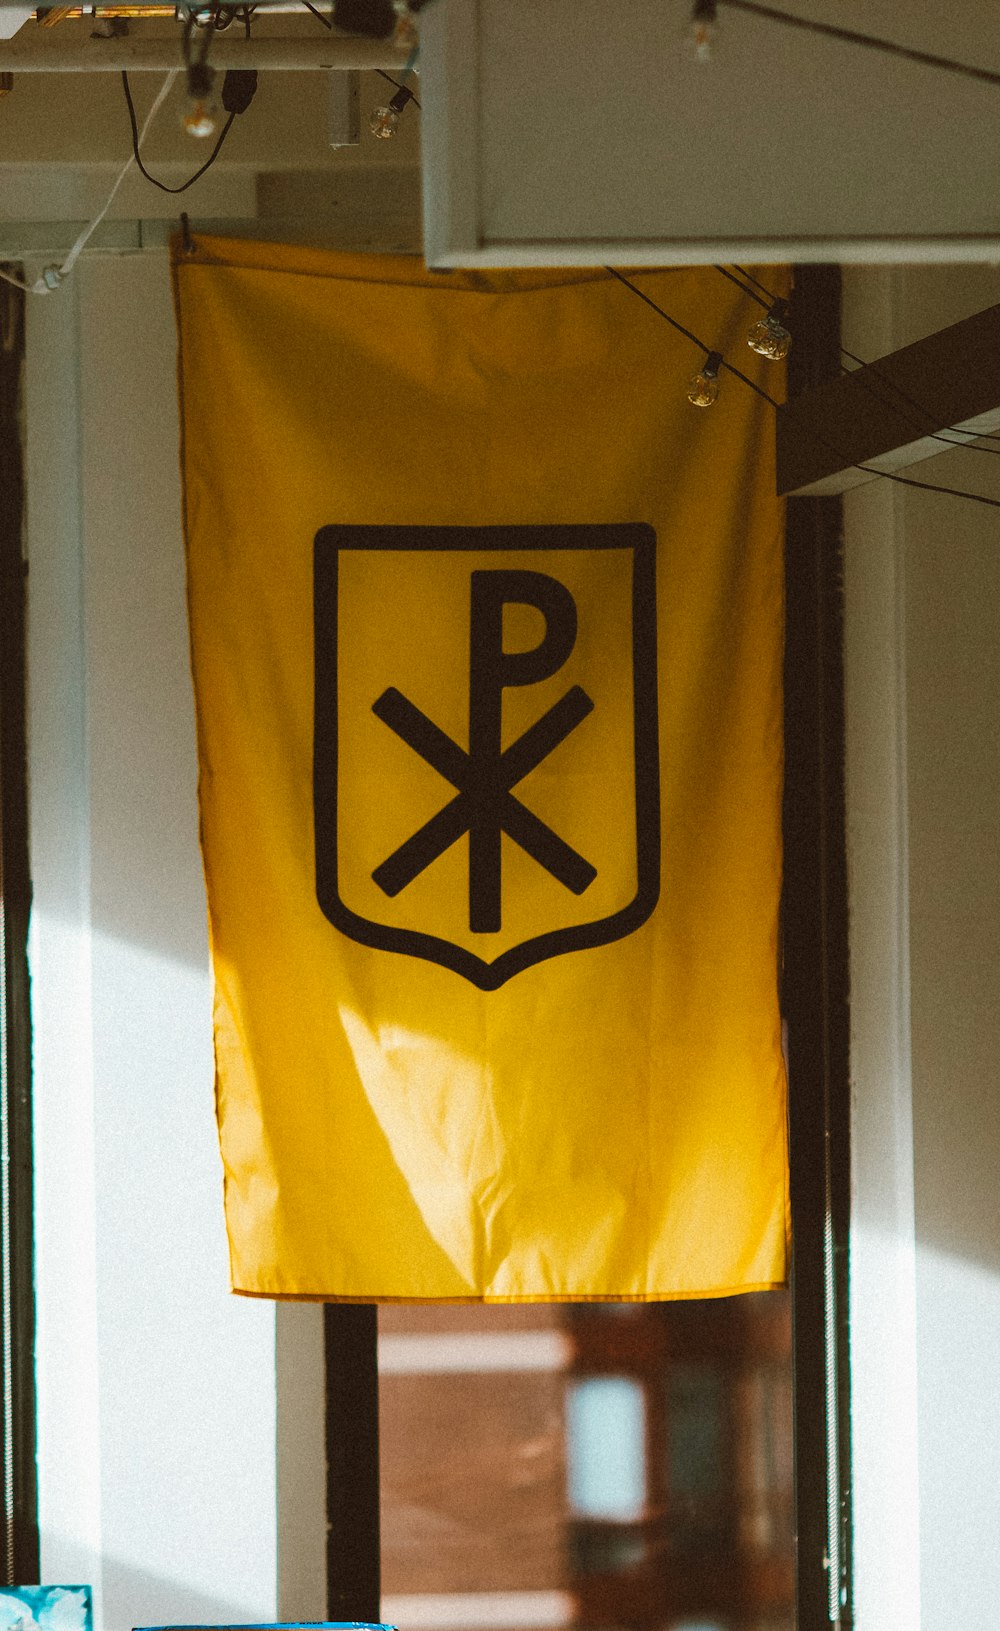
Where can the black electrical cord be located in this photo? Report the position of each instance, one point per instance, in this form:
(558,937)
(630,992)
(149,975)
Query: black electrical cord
(868,470)
(383,75)
(164,188)
(873,42)
(866,384)
(751,279)
(326,21)
(693,337)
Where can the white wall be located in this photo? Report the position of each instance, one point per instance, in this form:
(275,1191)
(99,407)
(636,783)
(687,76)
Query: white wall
(923,675)
(557,134)
(157,1388)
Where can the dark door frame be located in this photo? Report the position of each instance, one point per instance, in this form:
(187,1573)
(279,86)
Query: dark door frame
(19,1542)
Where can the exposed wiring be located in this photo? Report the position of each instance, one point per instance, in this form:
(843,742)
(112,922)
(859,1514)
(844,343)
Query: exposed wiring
(164,188)
(873,42)
(751,279)
(326,21)
(693,337)
(54,275)
(867,469)
(767,304)
(383,75)
(867,385)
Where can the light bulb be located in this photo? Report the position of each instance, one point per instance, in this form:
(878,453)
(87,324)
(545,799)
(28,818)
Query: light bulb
(201,113)
(704,388)
(703,29)
(200,119)
(384,123)
(769,337)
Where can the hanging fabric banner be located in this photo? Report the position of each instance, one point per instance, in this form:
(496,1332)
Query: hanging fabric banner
(486,627)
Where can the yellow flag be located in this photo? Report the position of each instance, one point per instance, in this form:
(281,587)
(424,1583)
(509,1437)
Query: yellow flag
(486,625)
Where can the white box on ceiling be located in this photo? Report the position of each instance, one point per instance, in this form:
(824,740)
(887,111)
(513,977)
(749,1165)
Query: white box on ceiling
(581,131)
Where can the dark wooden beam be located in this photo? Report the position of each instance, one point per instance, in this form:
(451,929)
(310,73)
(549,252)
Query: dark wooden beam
(19,1500)
(887,414)
(353,1574)
(814,995)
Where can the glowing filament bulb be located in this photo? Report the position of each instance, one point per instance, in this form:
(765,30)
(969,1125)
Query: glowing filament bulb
(201,114)
(703,29)
(704,388)
(769,337)
(384,122)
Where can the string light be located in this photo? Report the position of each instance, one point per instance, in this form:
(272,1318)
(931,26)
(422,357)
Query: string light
(384,121)
(768,336)
(873,42)
(201,112)
(704,388)
(868,469)
(866,383)
(703,29)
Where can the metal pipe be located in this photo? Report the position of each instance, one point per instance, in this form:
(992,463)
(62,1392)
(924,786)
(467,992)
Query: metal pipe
(57,52)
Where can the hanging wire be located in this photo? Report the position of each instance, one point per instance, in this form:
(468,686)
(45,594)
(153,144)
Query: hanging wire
(383,75)
(767,304)
(751,279)
(54,275)
(867,469)
(873,42)
(326,21)
(867,384)
(164,188)
(693,337)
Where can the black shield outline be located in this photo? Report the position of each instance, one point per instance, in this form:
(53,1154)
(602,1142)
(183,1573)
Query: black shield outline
(638,537)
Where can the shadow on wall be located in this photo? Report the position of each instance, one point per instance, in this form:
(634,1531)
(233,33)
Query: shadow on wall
(130,1597)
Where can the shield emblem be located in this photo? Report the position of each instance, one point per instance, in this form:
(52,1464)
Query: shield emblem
(486,772)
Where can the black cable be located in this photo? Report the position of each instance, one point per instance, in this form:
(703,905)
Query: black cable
(692,337)
(911,402)
(868,470)
(755,281)
(928,486)
(138,158)
(326,21)
(768,303)
(866,384)
(383,75)
(873,42)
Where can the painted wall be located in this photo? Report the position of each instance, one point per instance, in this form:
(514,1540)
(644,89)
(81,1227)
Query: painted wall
(159,1454)
(923,664)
